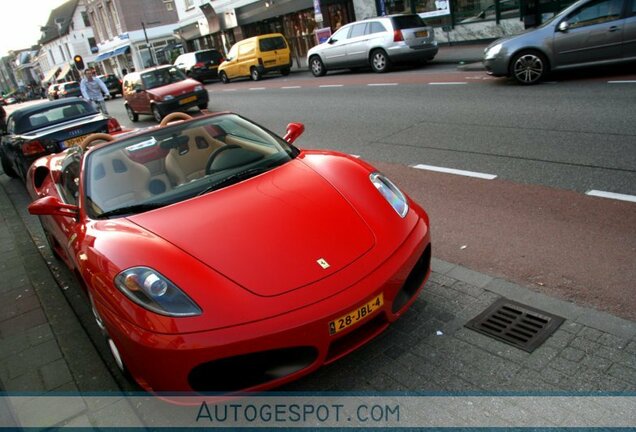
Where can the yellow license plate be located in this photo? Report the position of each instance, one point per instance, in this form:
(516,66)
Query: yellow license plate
(187,100)
(356,315)
(73,141)
(421,34)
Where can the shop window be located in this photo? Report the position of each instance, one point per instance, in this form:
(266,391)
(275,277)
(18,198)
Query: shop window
(471,11)
(397,6)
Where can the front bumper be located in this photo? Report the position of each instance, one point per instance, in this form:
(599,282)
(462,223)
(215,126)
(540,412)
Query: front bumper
(268,353)
(184,102)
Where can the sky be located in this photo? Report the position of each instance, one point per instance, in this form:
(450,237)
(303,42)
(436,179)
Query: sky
(21,21)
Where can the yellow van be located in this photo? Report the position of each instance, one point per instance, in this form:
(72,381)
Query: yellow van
(257,56)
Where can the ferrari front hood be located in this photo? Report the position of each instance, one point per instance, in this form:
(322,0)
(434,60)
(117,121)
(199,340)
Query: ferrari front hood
(271,234)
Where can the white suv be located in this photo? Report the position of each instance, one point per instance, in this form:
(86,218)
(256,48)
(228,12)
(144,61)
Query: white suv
(376,42)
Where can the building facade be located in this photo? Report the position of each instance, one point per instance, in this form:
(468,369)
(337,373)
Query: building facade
(67,33)
(132,34)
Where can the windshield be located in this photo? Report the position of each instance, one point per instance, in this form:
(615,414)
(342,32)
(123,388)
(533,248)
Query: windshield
(178,162)
(161,77)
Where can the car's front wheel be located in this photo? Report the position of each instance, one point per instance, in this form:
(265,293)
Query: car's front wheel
(224,78)
(317,66)
(132,115)
(380,61)
(157,114)
(529,67)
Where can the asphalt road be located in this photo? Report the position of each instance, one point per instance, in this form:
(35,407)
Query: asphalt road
(576,134)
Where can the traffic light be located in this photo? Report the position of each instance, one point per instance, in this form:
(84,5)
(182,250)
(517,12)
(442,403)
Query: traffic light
(79,62)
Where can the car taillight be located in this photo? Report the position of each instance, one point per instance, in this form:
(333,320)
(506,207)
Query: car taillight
(113,125)
(260,61)
(32,148)
(199,65)
(397,36)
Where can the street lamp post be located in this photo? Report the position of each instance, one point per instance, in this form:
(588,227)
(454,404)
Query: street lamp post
(152,60)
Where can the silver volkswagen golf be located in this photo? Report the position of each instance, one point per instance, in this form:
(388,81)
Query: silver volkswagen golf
(376,42)
(587,33)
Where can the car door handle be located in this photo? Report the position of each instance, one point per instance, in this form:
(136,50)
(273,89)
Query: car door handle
(613,28)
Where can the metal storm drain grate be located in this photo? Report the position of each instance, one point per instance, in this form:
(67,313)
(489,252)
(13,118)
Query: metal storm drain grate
(516,324)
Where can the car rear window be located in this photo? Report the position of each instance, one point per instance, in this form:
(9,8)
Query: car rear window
(272,43)
(206,56)
(407,22)
(53,115)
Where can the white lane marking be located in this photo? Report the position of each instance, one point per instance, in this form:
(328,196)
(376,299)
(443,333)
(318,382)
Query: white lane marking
(290,87)
(448,83)
(382,84)
(257,88)
(331,85)
(611,195)
(622,82)
(455,171)
(229,90)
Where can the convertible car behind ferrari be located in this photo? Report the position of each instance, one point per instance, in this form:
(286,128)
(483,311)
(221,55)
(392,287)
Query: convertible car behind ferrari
(219,257)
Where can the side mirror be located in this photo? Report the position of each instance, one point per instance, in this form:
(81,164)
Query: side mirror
(332,41)
(51,206)
(564,26)
(294,130)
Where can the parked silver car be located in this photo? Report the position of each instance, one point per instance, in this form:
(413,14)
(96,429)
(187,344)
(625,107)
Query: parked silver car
(588,33)
(376,42)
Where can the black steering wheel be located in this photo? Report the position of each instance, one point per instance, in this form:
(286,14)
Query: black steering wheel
(230,156)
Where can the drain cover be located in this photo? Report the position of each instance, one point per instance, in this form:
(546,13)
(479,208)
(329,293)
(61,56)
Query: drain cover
(516,324)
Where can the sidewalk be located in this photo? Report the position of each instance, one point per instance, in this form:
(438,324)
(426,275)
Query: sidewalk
(49,343)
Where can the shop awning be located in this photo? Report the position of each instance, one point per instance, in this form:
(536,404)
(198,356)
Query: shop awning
(65,70)
(50,74)
(113,53)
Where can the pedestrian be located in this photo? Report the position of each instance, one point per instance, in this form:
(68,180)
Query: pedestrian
(3,116)
(94,90)
(124,72)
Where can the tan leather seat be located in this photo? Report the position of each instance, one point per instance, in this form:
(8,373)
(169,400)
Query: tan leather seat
(187,163)
(118,181)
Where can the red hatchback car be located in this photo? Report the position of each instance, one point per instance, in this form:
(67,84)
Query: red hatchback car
(161,90)
(218,257)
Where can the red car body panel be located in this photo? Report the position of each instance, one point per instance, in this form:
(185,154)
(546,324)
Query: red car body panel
(247,256)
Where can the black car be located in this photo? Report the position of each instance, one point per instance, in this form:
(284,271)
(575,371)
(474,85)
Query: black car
(48,127)
(112,83)
(69,89)
(200,65)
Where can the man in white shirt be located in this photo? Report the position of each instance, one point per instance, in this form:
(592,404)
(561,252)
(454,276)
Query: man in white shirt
(94,90)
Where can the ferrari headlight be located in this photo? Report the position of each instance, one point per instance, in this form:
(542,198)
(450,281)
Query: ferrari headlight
(391,193)
(150,290)
(198,88)
(492,51)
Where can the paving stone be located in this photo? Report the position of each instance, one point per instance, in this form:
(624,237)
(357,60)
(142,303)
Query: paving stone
(56,411)
(19,306)
(81,421)
(491,345)
(541,357)
(560,339)
(631,347)
(623,373)
(470,276)
(12,345)
(553,376)
(613,341)
(616,355)
(441,291)
(39,334)
(440,279)
(27,382)
(441,267)
(585,345)
(528,380)
(596,362)
(55,374)
(565,366)
(468,289)
(22,323)
(571,327)
(593,380)
(33,358)
(572,354)
(590,333)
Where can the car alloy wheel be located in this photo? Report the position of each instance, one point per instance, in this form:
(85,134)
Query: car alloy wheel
(133,116)
(224,78)
(255,74)
(528,67)
(317,67)
(156,113)
(379,61)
